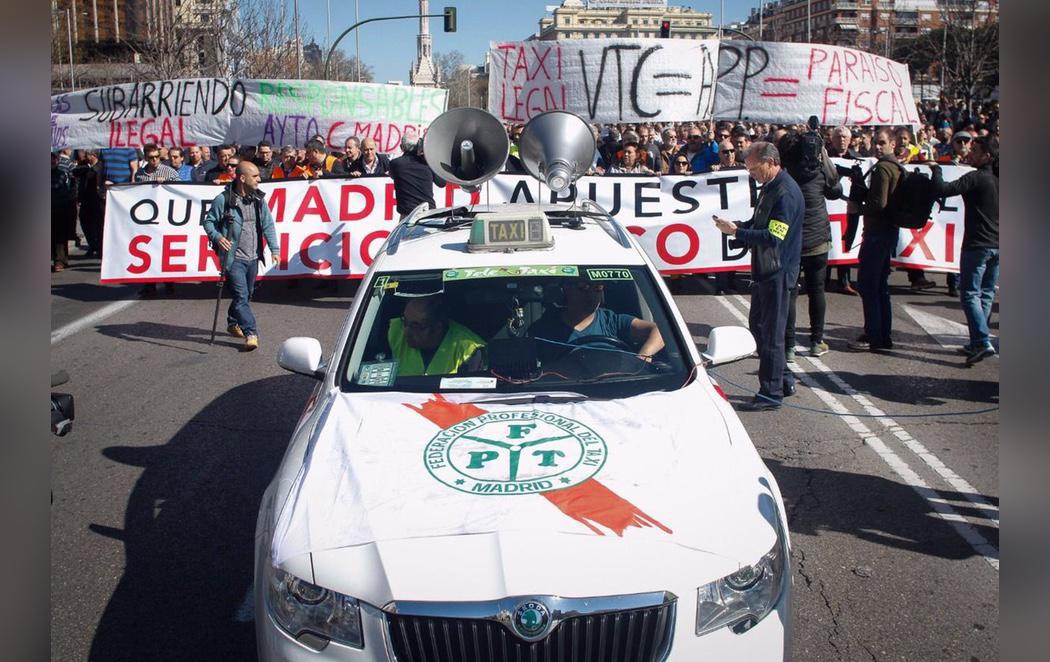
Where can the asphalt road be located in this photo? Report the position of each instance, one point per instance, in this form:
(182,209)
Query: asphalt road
(894,518)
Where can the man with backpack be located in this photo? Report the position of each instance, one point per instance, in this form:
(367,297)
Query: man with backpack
(236,224)
(808,164)
(878,244)
(63,213)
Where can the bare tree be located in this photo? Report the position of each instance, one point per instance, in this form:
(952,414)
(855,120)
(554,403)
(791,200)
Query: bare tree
(234,39)
(968,48)
(460,79)
(343,67)
(447,64)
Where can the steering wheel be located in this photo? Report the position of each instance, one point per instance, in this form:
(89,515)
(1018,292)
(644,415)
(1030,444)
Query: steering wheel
(615,342)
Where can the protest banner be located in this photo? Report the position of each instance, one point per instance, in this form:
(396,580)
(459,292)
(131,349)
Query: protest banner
(333,228)
(606,80)
(784,82)
(212,111)
(290,112)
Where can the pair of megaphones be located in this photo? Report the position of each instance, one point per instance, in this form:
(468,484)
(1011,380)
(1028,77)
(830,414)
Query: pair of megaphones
(468,146)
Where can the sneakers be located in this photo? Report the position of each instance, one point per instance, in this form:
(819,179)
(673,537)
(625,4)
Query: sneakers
(790,354)
(818,349)
(761,403)
(980,354)
(250,343)
(862,344)
(235,330)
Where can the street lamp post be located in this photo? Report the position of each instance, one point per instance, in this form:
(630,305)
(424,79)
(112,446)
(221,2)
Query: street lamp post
(69,37)
(450,11)
(298,46)
(809,22)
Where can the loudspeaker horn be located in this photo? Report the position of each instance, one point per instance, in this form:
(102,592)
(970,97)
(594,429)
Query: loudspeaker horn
(466,146)
(556,147)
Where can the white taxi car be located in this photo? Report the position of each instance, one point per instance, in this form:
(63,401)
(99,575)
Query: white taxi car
(514,453)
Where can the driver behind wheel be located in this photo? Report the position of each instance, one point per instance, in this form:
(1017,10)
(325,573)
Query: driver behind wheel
(583,316)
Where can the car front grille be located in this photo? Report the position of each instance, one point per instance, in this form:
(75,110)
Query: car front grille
(631,635)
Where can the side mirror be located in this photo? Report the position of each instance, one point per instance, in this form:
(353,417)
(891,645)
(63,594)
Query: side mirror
(726,344)
(62,414)
(301,356)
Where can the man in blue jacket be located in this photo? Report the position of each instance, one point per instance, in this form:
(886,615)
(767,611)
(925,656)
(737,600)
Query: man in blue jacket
(774,237)
(236,225)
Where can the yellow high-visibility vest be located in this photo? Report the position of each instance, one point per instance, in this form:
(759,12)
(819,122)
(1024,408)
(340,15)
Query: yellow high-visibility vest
(456,347)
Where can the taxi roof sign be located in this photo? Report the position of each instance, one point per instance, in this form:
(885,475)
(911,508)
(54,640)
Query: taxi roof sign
(510,232)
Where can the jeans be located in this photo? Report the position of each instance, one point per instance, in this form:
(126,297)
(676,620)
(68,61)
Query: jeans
(241,280)
(814,270)
(873,276)
(978,273)
(767,320)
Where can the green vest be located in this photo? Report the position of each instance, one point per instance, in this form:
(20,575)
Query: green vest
(455,348)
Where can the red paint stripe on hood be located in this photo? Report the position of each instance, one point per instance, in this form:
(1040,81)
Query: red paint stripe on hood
(588,502)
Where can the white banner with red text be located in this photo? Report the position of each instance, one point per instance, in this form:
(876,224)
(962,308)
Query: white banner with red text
(333,228)
(783,82)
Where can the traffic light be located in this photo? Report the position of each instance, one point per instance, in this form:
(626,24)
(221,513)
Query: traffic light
(450,19)
(665,29)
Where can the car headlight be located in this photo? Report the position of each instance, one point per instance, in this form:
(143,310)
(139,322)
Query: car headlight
(744,598)
(301,607)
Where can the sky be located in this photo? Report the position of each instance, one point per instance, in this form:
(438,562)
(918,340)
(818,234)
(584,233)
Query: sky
(389,47)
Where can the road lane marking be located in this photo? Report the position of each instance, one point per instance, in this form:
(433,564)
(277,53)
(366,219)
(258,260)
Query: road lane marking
(949,334)
(935,499)
(964,488)
(102,313)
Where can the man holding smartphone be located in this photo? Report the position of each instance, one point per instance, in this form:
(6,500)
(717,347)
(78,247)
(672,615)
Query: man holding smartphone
(774,237)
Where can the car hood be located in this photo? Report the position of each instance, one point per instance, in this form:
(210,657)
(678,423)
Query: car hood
(391,482)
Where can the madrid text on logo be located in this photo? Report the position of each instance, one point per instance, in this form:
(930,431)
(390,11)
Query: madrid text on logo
(515,452)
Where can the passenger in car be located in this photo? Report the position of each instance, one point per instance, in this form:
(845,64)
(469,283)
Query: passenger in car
(583,316)
(426,342)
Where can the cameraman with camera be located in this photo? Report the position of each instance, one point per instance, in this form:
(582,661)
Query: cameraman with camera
(236,224)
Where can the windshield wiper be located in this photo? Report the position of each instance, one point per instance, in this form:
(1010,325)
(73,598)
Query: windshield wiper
(537,398)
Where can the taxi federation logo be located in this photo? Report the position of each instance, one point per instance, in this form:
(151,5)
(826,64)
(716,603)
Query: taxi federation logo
(515,452)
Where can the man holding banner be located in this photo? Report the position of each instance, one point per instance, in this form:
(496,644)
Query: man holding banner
(236,224)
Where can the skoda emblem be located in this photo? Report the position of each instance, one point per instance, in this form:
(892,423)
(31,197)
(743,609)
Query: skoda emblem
(531,619)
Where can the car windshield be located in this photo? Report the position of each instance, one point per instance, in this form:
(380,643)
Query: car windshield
(597,331)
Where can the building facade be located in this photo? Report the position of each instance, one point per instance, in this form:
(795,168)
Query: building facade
(596,19)
(871,25)
(113,39)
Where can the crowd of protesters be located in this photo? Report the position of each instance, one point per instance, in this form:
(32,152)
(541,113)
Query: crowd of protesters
(946,136)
